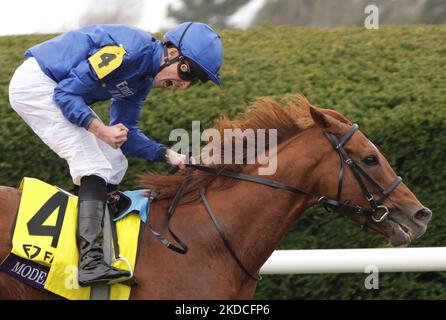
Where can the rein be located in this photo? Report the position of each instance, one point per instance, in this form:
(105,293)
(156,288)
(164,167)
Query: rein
(331,205)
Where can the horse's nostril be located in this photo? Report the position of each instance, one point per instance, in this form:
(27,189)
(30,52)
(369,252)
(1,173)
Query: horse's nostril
(423,214)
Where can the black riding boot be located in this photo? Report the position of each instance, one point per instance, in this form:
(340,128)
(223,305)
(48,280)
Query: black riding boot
(92,267)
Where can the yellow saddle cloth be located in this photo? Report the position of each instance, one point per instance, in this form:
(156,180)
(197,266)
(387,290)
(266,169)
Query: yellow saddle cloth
(45,233)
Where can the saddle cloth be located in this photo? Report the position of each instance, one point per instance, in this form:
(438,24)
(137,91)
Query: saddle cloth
(45,237)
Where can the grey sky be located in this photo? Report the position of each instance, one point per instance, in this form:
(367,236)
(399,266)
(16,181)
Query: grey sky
(51,16)
(56,16)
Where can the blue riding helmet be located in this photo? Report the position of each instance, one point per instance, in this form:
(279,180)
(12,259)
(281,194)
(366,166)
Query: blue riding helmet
(201,44)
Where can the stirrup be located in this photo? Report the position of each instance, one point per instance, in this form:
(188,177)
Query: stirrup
(122,258)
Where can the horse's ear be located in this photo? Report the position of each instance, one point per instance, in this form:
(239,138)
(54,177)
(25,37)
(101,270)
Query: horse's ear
(325,122)
(319,118)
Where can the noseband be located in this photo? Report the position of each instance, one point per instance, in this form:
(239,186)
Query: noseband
(331,205)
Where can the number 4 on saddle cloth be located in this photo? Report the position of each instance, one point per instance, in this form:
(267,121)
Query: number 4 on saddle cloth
(45,254)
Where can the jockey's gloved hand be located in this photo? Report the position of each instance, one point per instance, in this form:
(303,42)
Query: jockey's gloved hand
(178,159)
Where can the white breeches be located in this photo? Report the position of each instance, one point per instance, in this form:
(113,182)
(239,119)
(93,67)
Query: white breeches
(31,96)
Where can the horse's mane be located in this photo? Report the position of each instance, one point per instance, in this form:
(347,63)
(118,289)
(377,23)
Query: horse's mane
(289,118)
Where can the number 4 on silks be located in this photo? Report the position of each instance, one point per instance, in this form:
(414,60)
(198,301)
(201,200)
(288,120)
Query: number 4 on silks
(35,225)
(106,60)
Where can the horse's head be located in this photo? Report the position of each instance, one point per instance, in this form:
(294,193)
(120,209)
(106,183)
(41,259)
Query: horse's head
(357,175)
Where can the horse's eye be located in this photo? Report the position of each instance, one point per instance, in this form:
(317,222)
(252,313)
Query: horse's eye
(371,160)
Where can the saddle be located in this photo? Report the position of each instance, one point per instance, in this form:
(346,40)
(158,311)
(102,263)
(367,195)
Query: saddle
(44,253)
(120,204)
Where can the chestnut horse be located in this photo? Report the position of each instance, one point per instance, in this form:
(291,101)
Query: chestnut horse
(254,216)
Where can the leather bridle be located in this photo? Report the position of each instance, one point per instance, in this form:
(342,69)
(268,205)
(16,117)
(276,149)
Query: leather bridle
(375,205)
(331,205)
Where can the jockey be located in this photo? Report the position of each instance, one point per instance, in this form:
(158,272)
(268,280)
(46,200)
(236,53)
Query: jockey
(61,77)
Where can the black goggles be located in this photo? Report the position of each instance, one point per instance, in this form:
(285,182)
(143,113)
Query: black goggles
(189,71)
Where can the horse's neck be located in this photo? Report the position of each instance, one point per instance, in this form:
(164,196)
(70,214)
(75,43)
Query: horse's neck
(263,215)
(9,204)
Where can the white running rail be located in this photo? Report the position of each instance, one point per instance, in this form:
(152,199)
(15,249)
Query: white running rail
(355,260)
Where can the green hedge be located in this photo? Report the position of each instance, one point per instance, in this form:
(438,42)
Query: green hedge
(391,81)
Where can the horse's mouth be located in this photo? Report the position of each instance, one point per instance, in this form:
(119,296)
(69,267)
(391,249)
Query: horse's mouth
(400,234)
